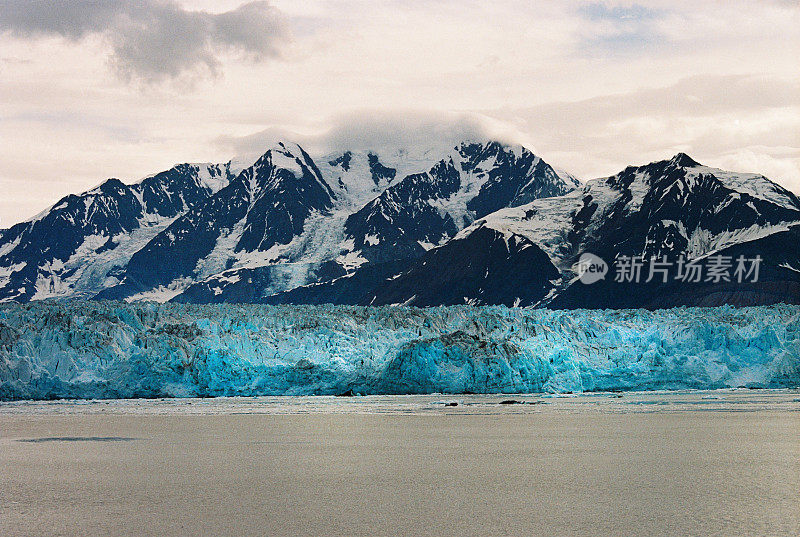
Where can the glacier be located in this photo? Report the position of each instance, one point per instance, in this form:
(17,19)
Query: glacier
(56,349)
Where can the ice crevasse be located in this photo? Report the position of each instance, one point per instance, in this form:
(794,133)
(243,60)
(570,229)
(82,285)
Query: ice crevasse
(113,350)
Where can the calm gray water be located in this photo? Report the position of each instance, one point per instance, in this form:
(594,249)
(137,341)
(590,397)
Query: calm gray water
(685,463)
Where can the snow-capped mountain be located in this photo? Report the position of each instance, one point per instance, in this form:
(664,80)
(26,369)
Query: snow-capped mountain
(426,209)
(481,223)
(84,242)
(669,208)
(375,215)
(265,206)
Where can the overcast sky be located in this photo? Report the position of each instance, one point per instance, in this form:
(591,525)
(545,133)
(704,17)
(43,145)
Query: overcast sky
(124,88)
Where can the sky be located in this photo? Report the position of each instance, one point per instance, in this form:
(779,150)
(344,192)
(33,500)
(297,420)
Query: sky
(125,88)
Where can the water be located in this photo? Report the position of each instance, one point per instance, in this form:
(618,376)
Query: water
(659,463)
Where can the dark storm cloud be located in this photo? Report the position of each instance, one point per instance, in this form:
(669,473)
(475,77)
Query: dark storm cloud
(153,39)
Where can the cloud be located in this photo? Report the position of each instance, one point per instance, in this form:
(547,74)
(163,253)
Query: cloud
(415,132)
(408,129)
(153,40)
(619,30)
(696,96)
(747,123)
(739,122)
(621,14)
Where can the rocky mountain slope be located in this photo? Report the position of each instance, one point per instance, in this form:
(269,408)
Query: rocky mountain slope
(669,211)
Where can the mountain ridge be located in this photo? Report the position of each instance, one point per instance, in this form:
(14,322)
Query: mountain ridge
(481,223)
(626,215)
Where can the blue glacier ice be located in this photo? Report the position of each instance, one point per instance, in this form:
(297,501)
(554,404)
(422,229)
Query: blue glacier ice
(113,350)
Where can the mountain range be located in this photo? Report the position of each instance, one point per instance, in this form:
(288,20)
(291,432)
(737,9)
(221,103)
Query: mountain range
(482,223)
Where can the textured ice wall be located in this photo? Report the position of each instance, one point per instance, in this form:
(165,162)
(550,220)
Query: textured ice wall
(106,349)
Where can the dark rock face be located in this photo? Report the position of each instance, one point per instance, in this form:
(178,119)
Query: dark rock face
(486,267)
(343,161)
(513,180)
(778,282)
(378,171)
(393,225)
(354,288)
(280,202)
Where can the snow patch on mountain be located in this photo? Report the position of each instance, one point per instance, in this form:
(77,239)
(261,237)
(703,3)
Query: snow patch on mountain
(703,243)
(754,184)
(543,221)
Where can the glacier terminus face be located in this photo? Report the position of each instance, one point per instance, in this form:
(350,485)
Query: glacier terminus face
(52,350)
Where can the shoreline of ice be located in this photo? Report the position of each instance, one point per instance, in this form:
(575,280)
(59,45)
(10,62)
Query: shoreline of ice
(109,350)
(638,402)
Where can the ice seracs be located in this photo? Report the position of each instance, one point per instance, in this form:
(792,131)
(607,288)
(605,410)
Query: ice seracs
(111,350)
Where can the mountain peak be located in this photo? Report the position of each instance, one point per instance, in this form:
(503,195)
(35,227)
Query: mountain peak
(109,185)
(489,146)
(684,161)
(281,147)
